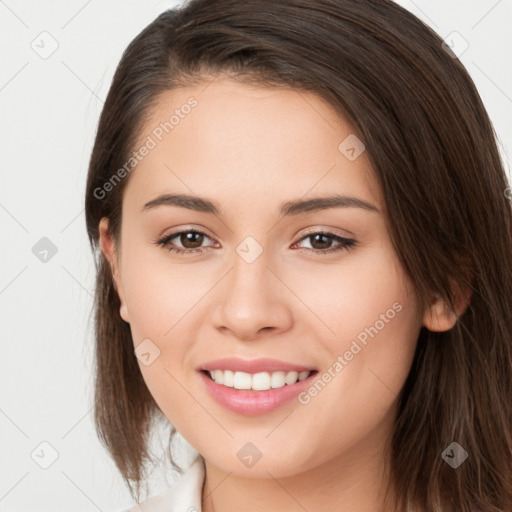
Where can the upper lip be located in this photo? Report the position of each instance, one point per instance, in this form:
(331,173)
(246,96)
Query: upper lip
(253,365)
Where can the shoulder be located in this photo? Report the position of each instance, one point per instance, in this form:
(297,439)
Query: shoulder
(183,496)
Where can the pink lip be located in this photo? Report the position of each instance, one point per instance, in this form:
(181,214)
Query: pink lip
(252,403)
(253,365)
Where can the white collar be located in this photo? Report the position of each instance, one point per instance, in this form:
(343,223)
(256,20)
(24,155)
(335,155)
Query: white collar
(184,496)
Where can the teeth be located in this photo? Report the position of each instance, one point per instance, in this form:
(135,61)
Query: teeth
(278,379)
(229,378)
(262,381)
(242,380)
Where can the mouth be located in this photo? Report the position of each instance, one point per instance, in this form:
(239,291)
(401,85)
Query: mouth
(261,381)
(254,387)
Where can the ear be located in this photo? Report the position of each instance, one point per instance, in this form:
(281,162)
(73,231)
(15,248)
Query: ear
(108,249)
(439,316)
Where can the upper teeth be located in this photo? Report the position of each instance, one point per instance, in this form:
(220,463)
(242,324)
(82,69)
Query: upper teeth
(257,381)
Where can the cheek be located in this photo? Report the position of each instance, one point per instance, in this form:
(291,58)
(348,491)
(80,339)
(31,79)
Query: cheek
(159,294)
(366,289)
(370,319)
(163,301)
(160,299)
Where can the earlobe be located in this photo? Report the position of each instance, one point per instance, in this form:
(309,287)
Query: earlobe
(106,241)
(123,312)
(108,249)
(440,317)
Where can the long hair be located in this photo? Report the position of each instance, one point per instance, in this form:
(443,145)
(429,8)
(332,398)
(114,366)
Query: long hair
(434,153)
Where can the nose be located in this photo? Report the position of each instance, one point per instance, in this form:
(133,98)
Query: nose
(253,301)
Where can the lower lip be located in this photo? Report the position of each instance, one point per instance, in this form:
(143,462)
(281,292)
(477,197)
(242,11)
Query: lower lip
(252,403)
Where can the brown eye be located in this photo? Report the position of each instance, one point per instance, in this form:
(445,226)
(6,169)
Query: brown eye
(186,241)
(322,243)
(191,239)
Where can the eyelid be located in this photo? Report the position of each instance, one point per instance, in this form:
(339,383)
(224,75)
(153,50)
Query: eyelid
(300,235)
(343,243)
(186,228)
(329,229)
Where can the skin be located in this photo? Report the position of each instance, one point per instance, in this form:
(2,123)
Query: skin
(250,148)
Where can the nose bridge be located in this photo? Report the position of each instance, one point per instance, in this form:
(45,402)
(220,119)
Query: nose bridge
(250,271)
(250,282)
(252,298)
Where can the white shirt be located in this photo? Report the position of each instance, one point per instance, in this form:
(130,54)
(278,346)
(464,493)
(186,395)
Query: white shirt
(184,495)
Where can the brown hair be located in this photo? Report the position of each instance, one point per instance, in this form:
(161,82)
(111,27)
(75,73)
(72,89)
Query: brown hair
(433,150)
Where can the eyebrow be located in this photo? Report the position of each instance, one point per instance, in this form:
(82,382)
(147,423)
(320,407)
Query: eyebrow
(288,208)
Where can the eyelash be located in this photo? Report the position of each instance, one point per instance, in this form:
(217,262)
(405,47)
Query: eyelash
(344,243)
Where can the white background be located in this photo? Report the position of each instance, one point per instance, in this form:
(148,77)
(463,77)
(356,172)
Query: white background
(49,112)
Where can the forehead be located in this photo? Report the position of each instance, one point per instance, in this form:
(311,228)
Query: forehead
(232,140)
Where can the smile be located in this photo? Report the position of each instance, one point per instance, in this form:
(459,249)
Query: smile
(261,381)
(253,387)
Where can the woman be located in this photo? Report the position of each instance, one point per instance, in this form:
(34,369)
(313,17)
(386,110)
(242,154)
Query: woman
(303,240)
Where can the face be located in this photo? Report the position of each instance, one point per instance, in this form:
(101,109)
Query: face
(301,311)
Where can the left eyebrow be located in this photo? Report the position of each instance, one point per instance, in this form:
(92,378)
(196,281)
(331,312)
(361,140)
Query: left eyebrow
(288,208)
(323,203)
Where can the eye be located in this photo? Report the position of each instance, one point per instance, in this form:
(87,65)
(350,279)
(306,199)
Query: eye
(321,242)
(191,241)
